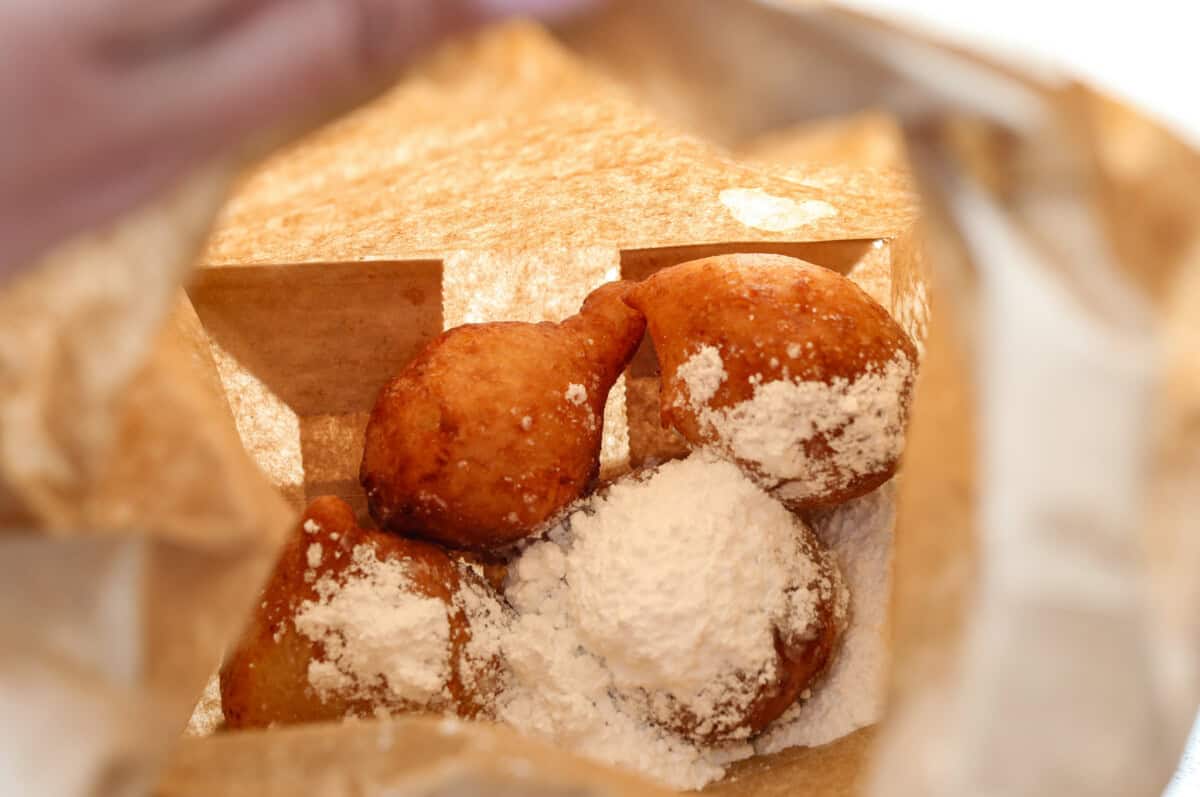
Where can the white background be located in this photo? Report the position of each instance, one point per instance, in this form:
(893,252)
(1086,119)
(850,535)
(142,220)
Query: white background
(1145,52)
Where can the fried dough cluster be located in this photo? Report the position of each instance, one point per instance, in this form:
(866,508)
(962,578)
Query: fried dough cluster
(493,430)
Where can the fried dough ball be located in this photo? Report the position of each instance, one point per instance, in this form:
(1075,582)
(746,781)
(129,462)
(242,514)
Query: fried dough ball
(494,428)
(354,622)
(788,368)
(712,606)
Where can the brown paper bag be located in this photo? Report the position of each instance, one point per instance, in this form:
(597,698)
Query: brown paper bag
(135,528)
(428,208)
(323,231)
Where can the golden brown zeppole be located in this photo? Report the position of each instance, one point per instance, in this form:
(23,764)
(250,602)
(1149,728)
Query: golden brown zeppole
(495,428)
(786,367)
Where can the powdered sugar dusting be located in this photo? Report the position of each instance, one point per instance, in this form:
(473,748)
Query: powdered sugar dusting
(489,623)
(703,374)
(861,421)
(358,621)
(576,393)
(565,694)
(859,533)
(651,599)
(706,642)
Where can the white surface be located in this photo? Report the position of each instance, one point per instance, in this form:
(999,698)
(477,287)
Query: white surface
(1187,780)
(1145,52)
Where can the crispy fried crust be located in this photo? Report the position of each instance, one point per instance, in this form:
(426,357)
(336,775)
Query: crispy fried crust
(495,428)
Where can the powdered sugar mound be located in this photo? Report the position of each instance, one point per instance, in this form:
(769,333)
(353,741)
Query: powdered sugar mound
(859,533)
(562,692)
(665,592)
(861,422)
(358,620)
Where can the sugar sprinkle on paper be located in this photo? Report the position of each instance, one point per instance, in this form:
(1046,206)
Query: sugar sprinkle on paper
(756,208)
